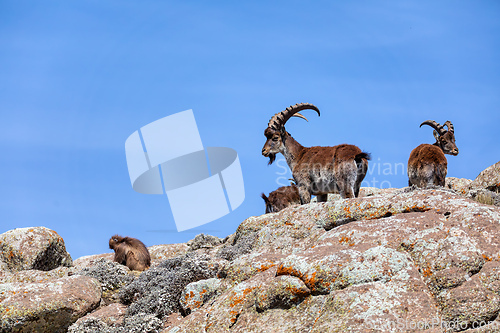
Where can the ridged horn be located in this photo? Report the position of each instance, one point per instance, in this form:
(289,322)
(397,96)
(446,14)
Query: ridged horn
(436,126)
(279,119)
(450,126)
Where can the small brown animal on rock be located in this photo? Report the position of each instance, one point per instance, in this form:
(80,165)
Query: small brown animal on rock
(130,252)
(281,198)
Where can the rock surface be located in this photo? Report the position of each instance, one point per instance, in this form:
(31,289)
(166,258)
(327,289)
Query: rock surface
(47,306)
(403,257)
(392,260)
(488,179)
(157,291)
(32,248)
(112,315)
(461,185)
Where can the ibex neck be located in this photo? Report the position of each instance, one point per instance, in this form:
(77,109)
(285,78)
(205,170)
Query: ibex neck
(438,145)
(292,149)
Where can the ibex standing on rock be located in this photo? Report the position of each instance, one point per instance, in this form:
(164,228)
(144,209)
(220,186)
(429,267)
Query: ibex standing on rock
(281,198)
(316,170)
(427,164)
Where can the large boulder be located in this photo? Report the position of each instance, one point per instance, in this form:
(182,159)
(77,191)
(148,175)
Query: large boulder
(32,248)
(110,274)
(486,187)
(157,290)
(91,260)
(102,320)
(461,185)
(198,293)
(47,306)
(488,179)
(401,260)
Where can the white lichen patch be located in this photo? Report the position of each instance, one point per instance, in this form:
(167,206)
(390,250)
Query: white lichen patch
(378,302)
(376,264)
(298,263)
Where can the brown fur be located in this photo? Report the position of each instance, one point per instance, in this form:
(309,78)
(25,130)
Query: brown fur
(130,252)
(427,164)
(319,170)
(281,198)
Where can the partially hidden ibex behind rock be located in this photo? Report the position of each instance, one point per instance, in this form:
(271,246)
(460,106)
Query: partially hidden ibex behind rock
(427,164)
(316,170)
(281,198)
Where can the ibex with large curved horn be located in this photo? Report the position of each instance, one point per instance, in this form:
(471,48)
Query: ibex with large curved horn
(316,170)
(427,164)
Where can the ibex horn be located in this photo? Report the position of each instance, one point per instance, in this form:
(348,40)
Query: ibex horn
(280,118)
(450,126)
(434,125)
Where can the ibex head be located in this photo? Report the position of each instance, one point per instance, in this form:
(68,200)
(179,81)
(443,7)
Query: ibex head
(445,139)
(281,198)
(275,131)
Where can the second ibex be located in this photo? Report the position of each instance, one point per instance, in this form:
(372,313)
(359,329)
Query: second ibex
(427,164)
(316,170)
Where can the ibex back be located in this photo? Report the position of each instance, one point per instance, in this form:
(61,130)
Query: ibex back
(316,170)
(427,164)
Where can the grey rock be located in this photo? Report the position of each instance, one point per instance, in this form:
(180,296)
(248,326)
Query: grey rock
(203,241)
(488,179)
(484,196)
(157,291)
(110,274)
(198,293)
(47,306)
(140,323)
(461,185)
(33,248)
(237,246)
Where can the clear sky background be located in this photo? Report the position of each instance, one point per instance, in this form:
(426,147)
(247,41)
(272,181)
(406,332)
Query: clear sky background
(78,77)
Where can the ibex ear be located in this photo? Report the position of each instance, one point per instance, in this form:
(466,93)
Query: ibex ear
(265,198)
(436,135)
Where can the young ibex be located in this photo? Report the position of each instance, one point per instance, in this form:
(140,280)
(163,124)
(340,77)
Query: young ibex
(427,164)
(317,170)
(281,198)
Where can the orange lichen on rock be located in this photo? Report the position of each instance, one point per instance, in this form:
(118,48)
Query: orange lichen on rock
(486,257)
(426,272)
(238,299)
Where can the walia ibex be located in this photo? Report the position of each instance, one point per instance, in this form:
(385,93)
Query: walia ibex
(427,164)
(316,170)
(281,198)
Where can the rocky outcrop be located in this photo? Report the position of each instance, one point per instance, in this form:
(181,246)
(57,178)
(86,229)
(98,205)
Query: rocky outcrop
(460,185)
(392,260)
(157,291)
(32,248)
(484,189)
(379,263)
(203,241)
(107,317)
(47,306)
(488,179)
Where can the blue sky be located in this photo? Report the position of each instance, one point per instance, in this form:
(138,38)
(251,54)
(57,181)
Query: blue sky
(77,78)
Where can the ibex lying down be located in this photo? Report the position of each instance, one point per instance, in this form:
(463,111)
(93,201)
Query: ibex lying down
(317,170)
(427,164)
(281,198)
